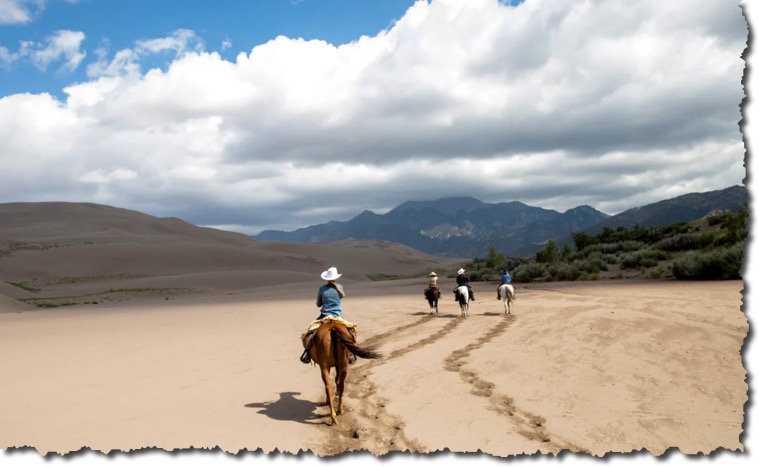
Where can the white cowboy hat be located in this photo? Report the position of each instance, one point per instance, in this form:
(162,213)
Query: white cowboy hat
(461,271)
(330,274)
(433,274)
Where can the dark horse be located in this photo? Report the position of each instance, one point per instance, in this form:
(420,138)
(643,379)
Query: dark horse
(432,295)
(331,347)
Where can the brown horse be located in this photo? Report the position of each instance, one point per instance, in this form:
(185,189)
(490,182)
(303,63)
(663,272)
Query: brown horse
(331,347)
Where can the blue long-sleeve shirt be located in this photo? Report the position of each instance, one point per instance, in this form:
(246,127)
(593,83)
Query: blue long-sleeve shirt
(329,299)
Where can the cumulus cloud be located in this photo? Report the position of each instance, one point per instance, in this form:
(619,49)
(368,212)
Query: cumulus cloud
(553,103)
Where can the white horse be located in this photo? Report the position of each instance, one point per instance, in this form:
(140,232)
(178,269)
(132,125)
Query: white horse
(462,296)
(506,291)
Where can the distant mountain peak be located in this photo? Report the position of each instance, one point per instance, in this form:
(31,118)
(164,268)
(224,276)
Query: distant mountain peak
(464,226)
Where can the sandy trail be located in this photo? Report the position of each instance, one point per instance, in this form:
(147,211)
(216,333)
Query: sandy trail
(591,367)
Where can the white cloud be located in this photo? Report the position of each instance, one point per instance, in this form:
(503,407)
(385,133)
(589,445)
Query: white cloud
(19,11)
(552,103)
(62,45)
(105,176)
(6,56)
(127,61)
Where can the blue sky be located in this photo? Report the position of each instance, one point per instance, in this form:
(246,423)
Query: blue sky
(281,114)
(227,27)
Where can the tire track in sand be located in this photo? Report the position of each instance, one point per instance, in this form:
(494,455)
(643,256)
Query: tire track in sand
(366,424)
(529,425)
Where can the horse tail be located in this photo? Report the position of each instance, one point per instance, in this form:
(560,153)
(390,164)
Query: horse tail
(369,351)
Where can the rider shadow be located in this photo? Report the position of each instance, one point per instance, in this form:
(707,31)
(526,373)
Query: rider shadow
(288,408)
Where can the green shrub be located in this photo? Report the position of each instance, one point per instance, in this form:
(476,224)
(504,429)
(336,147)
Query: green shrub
(647,257)
(679,242)
(563,272)
(723,263)
(631,245)
(607,248)
(610,259)
(648,262)
(527,272)
(594,263)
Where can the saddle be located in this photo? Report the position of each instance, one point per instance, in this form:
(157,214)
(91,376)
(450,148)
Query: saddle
(307,338)
(456,293)
(511,288)
(432,287)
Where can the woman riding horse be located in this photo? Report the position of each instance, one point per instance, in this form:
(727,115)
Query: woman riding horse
(328,298)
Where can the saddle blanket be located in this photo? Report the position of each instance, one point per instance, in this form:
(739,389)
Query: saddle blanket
(315,324)
(508,286)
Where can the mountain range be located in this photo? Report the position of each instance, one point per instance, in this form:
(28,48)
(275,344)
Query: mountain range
(466,227)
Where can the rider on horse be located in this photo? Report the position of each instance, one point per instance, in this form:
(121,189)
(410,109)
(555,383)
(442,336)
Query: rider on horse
(328,298)
(463,279)
(433,284)
(506,279)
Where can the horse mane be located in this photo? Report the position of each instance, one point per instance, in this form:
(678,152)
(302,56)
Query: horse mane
(341,333)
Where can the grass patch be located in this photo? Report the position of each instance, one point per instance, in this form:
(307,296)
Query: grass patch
(392,277)
(112,295)
(79,279)
(21,285)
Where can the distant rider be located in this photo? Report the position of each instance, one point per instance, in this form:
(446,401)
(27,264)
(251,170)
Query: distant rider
(433,284)
(463,279)
(506,279)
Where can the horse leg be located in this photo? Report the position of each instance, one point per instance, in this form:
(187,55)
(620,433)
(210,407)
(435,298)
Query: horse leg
(328,390)
(340,383)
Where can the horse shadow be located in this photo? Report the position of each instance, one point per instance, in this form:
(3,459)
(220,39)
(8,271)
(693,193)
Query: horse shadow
(438,315)
(289,408)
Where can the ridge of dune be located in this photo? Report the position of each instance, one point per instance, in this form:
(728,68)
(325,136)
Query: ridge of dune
(68,221)
(68,250)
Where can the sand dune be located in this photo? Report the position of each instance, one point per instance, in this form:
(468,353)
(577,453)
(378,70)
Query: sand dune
(610,366)
(70,250)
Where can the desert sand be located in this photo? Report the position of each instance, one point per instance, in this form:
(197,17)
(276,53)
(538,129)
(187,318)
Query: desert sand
(122,331)
(609,366)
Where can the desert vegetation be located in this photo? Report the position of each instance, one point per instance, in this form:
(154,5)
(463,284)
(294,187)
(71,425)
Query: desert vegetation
(708,249)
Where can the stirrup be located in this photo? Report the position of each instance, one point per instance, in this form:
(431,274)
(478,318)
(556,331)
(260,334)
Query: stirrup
(352,359)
